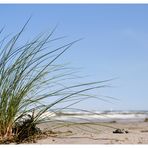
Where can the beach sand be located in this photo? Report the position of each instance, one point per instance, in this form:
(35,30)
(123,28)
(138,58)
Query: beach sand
(96,134)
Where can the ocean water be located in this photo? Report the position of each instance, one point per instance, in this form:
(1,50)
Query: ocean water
(95,116)
(102,116)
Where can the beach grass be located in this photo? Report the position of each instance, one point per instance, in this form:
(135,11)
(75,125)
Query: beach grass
(30,77)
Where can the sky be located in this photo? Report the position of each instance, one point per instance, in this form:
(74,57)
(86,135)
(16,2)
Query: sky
(114,45)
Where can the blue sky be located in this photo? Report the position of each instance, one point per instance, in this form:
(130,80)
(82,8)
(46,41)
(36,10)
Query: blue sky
(115,44)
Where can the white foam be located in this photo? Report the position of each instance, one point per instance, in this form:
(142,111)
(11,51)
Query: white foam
(101,116)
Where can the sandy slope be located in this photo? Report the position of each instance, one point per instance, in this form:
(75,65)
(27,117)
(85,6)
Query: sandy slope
(96,134)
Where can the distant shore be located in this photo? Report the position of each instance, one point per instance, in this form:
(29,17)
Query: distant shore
(99,133)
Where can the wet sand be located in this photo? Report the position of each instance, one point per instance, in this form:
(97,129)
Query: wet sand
(96,134)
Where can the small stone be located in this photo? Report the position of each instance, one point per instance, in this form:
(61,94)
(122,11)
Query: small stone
(126,132)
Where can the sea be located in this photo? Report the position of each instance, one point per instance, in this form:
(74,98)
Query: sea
(96,116)
(103,116)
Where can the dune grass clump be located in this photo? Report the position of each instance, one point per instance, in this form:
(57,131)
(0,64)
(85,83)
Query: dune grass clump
(32,83)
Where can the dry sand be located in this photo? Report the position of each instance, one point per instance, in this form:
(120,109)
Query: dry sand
(96,134)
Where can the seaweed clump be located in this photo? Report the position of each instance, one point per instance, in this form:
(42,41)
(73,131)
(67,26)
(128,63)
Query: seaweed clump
(25,129)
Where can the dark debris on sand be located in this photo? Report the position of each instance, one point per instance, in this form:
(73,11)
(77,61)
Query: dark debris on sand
(120,131)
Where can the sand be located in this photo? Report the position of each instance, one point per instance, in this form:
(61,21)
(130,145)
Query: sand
(96,134)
